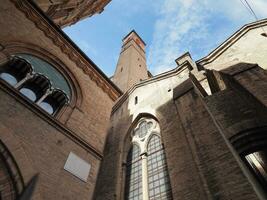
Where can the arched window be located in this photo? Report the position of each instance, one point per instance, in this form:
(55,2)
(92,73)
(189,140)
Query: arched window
(134,175)
(153,183)
(15,71)
(37,80)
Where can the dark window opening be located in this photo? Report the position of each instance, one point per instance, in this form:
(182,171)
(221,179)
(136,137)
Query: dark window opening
(35,88)
(121,69)
(15,70)
(54,102)
(136,100)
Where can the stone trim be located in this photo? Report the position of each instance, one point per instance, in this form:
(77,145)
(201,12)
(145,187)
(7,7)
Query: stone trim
(67,47)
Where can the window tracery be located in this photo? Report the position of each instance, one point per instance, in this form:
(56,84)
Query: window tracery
(37,80)
(151,161)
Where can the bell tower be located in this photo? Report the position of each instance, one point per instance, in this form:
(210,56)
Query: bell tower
(131,67)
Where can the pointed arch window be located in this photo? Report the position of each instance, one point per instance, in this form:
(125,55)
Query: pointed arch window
(150,180)
(37,80)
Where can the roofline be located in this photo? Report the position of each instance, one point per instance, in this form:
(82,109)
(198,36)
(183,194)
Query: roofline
(133,31)
(230,40)
(57,28)
(160,76)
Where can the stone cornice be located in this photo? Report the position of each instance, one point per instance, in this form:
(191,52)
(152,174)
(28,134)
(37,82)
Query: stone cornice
(230,41)
(61,40)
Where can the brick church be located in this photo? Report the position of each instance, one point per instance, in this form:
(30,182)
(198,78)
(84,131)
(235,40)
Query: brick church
(67,131)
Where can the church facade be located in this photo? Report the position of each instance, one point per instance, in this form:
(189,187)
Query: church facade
(67,131)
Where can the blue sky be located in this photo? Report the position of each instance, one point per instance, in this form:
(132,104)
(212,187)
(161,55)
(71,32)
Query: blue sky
(169,28)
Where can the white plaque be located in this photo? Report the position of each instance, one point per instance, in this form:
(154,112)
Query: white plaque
(77,166)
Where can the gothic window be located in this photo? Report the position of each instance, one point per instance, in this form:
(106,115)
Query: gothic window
(158,179)
(134,175)
(153,178)
(37,80)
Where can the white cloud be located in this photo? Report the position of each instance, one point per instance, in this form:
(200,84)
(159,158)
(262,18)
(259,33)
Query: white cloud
(183,23)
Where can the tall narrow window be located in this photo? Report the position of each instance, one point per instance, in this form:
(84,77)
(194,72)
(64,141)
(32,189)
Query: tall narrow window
(152,180)
(158,178)
(133,189)
(135,100)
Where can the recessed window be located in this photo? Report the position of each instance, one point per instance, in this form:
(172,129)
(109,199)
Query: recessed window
(37,80)
(121,69)
(136,100)
(155,172)
(140,65)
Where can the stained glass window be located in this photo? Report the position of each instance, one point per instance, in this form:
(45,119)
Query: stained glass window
(39,81)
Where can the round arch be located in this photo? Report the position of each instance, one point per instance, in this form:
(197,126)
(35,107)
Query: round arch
(13,48)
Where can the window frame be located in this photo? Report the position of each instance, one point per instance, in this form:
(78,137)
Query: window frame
(27,79)
(153,129)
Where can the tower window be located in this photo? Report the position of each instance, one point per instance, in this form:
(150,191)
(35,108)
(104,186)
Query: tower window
(121,69)
(136,100)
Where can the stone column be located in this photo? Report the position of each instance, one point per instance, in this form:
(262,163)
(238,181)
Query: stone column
(145,177)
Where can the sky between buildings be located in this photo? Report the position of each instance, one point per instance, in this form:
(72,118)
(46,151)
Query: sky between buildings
(169,28)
